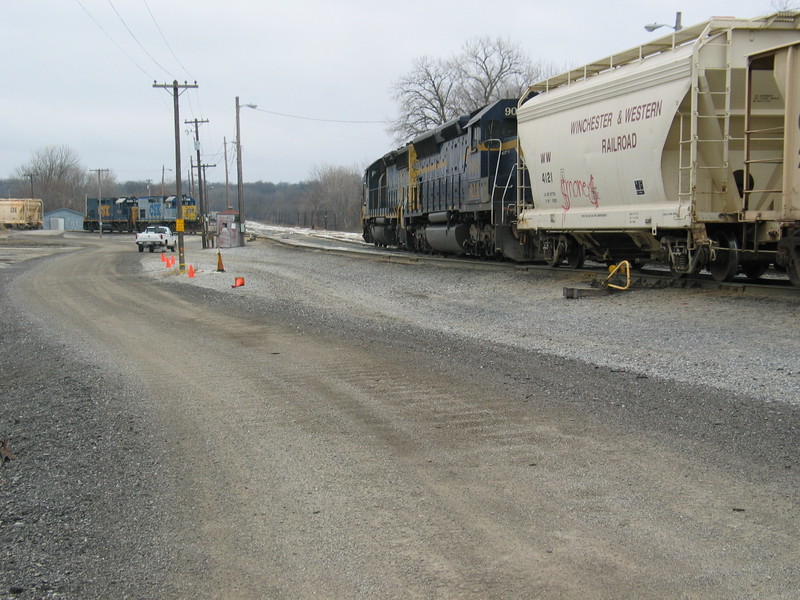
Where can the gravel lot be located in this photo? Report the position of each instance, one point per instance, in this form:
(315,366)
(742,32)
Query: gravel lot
(88,508)
(743,344)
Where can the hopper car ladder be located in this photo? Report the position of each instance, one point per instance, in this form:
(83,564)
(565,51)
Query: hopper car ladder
(707,145)
(762,200)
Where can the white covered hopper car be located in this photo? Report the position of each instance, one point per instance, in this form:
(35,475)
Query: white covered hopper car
(684,151)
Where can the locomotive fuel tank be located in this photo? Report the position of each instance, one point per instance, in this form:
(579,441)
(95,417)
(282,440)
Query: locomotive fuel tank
(449,239)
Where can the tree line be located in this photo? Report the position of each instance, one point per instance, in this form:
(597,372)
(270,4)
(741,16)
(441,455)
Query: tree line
(332,193)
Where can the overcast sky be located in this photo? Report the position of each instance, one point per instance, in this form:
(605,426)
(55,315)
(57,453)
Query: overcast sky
(80,73)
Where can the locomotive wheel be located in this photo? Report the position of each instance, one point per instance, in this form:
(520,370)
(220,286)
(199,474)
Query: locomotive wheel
(725,264)
(487,243)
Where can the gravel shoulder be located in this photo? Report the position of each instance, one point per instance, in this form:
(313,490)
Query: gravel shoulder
(744,344)
(347,427)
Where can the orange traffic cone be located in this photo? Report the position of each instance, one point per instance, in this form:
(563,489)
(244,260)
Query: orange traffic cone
(163,257)
(239,282)
(220,268)
(191,271)
(171,261)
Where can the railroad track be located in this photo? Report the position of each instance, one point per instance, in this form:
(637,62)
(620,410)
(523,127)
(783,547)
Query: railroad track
(591,276)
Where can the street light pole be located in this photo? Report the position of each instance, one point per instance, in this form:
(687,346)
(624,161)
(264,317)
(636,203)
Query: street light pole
(677,27)
(227,194)
(240,183)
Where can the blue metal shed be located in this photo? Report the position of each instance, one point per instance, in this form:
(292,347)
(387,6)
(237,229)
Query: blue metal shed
(64,219)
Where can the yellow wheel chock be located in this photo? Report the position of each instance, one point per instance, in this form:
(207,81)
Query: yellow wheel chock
(622,270)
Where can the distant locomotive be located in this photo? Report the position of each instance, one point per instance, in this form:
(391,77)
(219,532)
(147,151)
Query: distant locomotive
(132,214)
(683,151)
(21,213)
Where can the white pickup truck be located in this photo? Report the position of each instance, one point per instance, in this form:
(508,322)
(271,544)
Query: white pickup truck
(156,236)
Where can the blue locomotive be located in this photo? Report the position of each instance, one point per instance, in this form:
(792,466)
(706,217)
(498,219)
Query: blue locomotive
(132,214)
(450,190)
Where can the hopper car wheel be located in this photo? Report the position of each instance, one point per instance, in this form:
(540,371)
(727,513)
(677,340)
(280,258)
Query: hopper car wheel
(576,256)
(725,264)
(793,270)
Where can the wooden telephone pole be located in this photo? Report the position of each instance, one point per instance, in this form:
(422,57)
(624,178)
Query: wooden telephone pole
(99,198)
(200,176)
(179,225)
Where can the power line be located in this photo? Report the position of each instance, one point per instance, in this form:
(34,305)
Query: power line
(128,56)
(135,39)
(272,112)
(163,37)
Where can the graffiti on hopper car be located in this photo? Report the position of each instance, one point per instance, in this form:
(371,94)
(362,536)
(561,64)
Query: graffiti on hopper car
(578,188)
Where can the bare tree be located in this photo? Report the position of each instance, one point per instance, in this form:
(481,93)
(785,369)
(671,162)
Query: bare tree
(784,5)
(336,189)
(436,91)
(491,69)
(59,178)
(426,97)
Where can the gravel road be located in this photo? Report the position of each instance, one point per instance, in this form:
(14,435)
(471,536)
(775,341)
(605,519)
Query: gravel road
(347,427)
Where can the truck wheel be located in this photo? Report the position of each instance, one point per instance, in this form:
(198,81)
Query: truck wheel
(152,248)
(141,248)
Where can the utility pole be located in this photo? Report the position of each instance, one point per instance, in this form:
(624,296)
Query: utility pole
(31,177)
(205,181)
(99,199)
(179,225)
(163,168)
(201,195)
(191,175)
